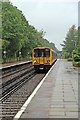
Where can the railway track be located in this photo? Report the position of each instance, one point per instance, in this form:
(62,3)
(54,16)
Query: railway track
(10,71)
(14,78)
(17,89)
(18,82)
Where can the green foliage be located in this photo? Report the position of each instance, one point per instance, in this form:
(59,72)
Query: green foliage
(76,57)
(76,64)
(14,28)
(70,59)
(17,35)
(78,47)
(65,54)
(71,41)
(5,44)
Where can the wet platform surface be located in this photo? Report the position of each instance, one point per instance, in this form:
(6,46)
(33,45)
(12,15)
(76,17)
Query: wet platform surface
(58,95)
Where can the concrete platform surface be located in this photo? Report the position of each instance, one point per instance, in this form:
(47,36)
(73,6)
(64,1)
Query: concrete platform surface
(58,95)
(5,65)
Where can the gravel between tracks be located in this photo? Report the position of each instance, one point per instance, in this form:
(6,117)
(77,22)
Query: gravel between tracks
(12,104)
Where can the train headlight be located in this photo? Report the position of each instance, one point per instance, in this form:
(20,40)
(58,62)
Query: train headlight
(48,61)
(35,61)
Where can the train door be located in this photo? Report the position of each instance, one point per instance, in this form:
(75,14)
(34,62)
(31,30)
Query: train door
(36,56)
(47,56)
(41,56)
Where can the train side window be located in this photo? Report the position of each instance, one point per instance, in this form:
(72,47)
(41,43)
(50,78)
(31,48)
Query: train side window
(54,54)
(41,53)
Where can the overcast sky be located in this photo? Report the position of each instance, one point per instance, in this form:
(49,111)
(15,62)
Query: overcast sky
(55,17)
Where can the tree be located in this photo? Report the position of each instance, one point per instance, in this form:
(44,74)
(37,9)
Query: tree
(71,40)
(17,35)
(78,39)
(14,28)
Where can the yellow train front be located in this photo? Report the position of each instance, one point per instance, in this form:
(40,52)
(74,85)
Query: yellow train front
(43,58)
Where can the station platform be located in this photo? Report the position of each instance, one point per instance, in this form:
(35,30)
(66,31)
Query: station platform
(5,65)
(57,96)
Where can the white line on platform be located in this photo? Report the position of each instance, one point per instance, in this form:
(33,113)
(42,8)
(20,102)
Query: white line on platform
(17,116)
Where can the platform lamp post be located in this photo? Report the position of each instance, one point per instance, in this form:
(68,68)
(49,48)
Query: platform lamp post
(28,55)
(19,55)
(4,55)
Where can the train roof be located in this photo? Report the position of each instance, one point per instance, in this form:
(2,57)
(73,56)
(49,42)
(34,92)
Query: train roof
(40,47)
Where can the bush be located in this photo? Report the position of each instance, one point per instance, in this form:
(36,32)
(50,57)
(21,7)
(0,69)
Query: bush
(76,58)
(77,64)
(70,59)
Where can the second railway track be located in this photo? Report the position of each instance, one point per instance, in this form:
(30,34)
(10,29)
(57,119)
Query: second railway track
(16,90)
(15,78)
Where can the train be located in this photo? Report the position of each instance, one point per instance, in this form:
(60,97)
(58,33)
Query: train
(43,58)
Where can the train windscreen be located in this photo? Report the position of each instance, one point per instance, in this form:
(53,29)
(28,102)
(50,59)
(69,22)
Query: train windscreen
(36,52)
(41,52)
(47,52)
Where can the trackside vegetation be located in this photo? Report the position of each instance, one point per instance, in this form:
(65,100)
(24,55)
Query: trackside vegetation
(18,36)
(76,57)
(71,46)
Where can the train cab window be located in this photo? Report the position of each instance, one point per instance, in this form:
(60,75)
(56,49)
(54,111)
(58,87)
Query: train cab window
(47,53)
(36,52)
(41,53)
